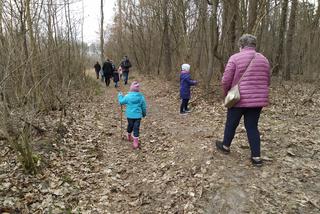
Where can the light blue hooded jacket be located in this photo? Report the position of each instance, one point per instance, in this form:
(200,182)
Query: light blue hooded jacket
(136,106)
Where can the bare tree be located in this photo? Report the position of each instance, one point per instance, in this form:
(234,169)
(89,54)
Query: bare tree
(101,33)
(282,28)
(289,42)
(168,32)
(213,42)
(253,6)
(166,39)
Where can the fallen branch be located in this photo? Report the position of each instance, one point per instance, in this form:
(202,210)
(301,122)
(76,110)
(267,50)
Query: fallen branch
(309,99)
(39,129)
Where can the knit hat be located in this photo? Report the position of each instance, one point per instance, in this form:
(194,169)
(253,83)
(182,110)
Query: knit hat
(135,87)
(185,67)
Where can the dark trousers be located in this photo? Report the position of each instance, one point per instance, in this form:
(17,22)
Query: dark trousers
(125,77)
(97,74)
(134,125)
(184,105)
(251,119)
(107,79)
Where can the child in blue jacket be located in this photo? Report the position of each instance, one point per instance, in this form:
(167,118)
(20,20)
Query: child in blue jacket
(185,84)
(136,108)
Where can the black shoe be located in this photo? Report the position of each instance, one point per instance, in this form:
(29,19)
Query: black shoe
(256,161)
(222,148)
(183,113)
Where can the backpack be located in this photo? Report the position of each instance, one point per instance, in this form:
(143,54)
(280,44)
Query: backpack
(126,64)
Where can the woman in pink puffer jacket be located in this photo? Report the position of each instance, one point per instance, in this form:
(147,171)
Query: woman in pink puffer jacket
(254,91)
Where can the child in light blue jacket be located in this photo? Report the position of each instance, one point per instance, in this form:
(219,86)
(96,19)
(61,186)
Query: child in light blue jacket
(136,108)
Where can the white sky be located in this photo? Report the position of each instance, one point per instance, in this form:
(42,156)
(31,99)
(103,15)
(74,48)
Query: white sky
(92,17)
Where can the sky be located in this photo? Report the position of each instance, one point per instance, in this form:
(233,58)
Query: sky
(92,17)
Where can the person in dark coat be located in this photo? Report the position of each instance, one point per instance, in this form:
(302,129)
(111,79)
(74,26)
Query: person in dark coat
(97,68)
(185,84)
(125,65)
(107,71)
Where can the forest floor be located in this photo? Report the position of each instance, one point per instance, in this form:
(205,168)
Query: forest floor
(89,169)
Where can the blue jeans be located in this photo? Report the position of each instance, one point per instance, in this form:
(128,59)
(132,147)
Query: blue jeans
(134,125)
(125,77)
(251,119)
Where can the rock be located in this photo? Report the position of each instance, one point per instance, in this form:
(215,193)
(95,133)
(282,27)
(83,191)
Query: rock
(230,200)
(6,185)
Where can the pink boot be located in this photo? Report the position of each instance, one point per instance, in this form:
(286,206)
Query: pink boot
(135,142)
(129,137)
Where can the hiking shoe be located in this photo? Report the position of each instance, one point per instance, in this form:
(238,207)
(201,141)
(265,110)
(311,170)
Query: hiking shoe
(129,137)
(183,113)
(136,144)
(188,110)
(222,148)
(256,161)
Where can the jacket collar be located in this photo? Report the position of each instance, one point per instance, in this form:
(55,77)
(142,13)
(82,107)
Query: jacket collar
(185,72)
(248,49)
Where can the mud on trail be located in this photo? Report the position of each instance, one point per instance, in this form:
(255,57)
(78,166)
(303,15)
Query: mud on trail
(178,170)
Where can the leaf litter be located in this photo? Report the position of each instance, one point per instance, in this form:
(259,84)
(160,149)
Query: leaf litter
(88,168)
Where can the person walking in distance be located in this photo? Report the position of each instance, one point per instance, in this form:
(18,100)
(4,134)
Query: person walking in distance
(125,65)
(107,71)
(97,68)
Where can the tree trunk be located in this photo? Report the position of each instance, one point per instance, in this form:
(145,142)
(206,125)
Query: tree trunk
(202,33)
(253,5)
(101,34)
(166,40)
(282,28)
(291,32)
(1,31)
(213,43)
(120,30)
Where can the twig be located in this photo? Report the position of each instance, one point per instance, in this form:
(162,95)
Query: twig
(39,129)
(121,122)
(310,95)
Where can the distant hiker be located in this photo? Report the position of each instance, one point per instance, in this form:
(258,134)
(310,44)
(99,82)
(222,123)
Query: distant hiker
(101,75)
(107,71)
(254,91)
(113,65)
(116,78)
(120,71)
(125,65)
(136,108)
(97,68)
(185,84)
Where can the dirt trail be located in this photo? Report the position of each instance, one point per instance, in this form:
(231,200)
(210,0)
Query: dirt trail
(178,170)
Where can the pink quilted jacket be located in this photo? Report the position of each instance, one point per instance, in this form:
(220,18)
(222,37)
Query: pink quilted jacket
(254,86)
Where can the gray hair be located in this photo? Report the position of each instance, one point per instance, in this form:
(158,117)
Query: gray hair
(247,40)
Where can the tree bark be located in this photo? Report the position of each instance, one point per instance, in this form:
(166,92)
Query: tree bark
(166,40)
(213,43)
(282,28)
(120,28)
(290,36)
(253,5)
(101,33)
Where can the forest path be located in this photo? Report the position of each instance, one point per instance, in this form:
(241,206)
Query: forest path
(90,169)
(178,169)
